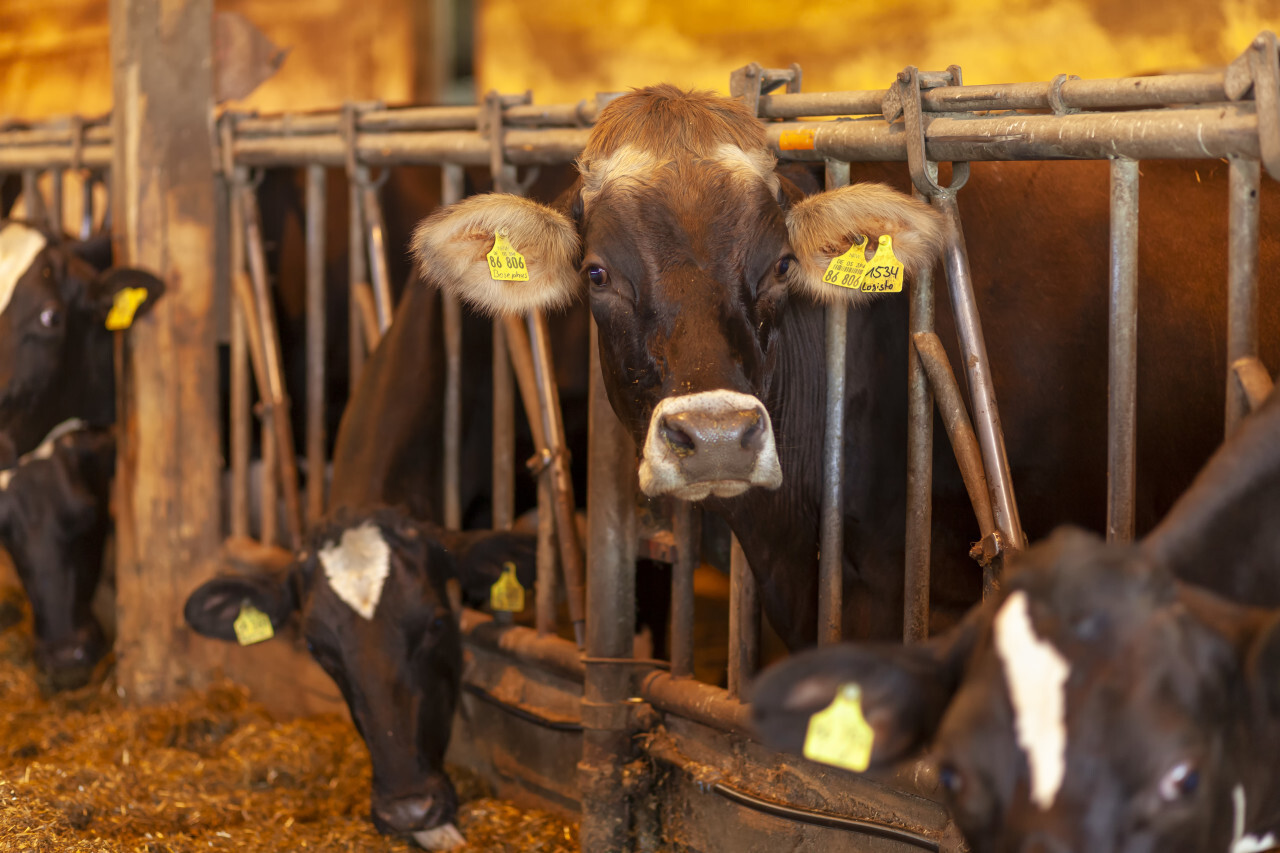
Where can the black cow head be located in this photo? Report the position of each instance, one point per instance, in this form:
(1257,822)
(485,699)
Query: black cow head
(689,244)
(54,522)
(372,597)
(1097,705)
(55,349)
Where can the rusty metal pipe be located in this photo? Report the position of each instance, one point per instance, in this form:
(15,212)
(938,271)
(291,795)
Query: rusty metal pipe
(504,436)
(451,192)
(315,231)
(1242,280)
(915,620)
(1122,378)
(686,529)
(55,202)
(241,413)
(744,622)
(357,274)
(375,241)
(696,701)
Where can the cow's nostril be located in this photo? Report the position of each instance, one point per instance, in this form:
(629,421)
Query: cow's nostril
(681,442)
(753,435)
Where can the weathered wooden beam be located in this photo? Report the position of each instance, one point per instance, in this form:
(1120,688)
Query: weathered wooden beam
(162,191)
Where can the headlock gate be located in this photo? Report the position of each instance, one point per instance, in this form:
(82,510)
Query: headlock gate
(646,752)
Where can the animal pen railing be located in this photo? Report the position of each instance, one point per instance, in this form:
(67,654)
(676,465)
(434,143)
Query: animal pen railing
(606,721)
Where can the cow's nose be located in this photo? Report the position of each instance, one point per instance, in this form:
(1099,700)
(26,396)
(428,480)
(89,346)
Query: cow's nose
(715,445)
(1044,842)
(406,814)
(69,664)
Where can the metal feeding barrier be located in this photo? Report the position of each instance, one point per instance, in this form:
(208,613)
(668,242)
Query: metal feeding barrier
(602,754)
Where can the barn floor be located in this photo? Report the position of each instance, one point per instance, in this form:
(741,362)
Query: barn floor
(213,771)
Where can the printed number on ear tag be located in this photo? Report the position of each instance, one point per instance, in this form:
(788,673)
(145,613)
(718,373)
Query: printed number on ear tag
(884,272)
(124,306)
(839,734)
(846,270)
(252,625)
(507,594)
(505,263)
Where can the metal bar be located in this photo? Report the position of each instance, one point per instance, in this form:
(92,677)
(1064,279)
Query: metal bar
(55,201)
(831,550)
(1254,379)
(973,349)
(504,439)
(86,206)
(548,146)
(696,701)
(32,199)
(376,243)
(241,411)
(1116,93)
(571,558)
(357,274)
(64,134)
(744,622)
(915,617)
(268,483)
(611,535)
(452,189)
(274,390)
(1242,280)
(315,231)
(547,588)
(580,114)
(928,350)
(14,159)
(522,644)
(686,528)
(1122,338)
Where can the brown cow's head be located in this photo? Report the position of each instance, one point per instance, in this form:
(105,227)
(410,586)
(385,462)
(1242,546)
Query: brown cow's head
(1097,706)
(689,245)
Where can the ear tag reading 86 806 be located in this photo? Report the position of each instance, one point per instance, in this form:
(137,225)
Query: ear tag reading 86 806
(884,272)
(252,625)
(839,734)
(505,263)
(846,270)
(124,306)
(507,594)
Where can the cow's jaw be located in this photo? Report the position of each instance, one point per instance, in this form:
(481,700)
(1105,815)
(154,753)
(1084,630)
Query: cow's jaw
(712,443)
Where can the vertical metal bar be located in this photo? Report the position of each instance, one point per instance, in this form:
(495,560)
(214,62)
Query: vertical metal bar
(1242,280)
(86,206)
(915,616)
(973,350)
(504,438)
(451,192)
(686,527)
(831,551)
(611,535)
(55,202)
(268,483)
(315,229)
(571,560)
(32,201)
(372,209)
(241,412)
(744,622)
(1122,378)
(356,275)
(547,581)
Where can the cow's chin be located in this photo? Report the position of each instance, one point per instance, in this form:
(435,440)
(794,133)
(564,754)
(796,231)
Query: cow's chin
(443,837)
(715,488)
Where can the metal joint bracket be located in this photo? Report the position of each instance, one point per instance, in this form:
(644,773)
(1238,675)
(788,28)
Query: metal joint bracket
(349,124)
(77,142)
(749,82)
(924,172)
(614,716)
(985,551)
(490,124)
(1264,72)
(1056,103)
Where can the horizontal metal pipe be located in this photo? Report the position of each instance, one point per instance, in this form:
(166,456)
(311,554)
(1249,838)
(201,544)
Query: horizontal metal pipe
(13,159)
(524,644)
(1114,93)
(51,134)
(693,700)
(468,148)
(1200,133)
(581,114)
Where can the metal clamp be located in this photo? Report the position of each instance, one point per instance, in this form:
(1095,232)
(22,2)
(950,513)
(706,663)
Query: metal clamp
(349,126)
(906,97)
(1056,103)
(749,82)
(1264,69)
(490,124)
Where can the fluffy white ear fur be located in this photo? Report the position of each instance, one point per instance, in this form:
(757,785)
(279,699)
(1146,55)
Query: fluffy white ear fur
(451,245)
(824,226)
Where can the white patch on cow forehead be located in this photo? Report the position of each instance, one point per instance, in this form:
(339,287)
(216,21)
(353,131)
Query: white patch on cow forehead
(1241,843)
(750,164)
(19,245)
(357,567)
(628,163)
(1036,674)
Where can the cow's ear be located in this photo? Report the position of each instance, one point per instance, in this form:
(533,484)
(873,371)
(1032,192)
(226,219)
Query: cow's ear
(536,265)
(95,251)
(212,609)
(905,690)
(824,226)
(480,555)
(1264,665)
(122,295)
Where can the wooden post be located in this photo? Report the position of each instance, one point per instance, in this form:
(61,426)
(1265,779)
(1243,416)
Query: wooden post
(167,484)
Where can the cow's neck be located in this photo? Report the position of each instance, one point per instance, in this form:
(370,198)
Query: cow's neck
(779,530)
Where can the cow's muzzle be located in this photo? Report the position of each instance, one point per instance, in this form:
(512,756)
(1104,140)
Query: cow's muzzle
(711,443)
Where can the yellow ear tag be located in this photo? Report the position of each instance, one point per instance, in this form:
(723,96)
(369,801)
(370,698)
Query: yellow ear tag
(884,273)
(505,263)
(252,625)
(846,270)
(839,734)
(124,306)
(507,593)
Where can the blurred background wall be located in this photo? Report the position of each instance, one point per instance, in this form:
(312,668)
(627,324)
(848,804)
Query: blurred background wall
(53,53)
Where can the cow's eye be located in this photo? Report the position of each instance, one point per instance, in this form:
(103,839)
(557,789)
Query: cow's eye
(597,275)
(51,318)
(783,265)
(951,779)
(1180,782)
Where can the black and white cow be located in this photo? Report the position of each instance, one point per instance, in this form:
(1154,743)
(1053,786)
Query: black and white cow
(1101,702)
